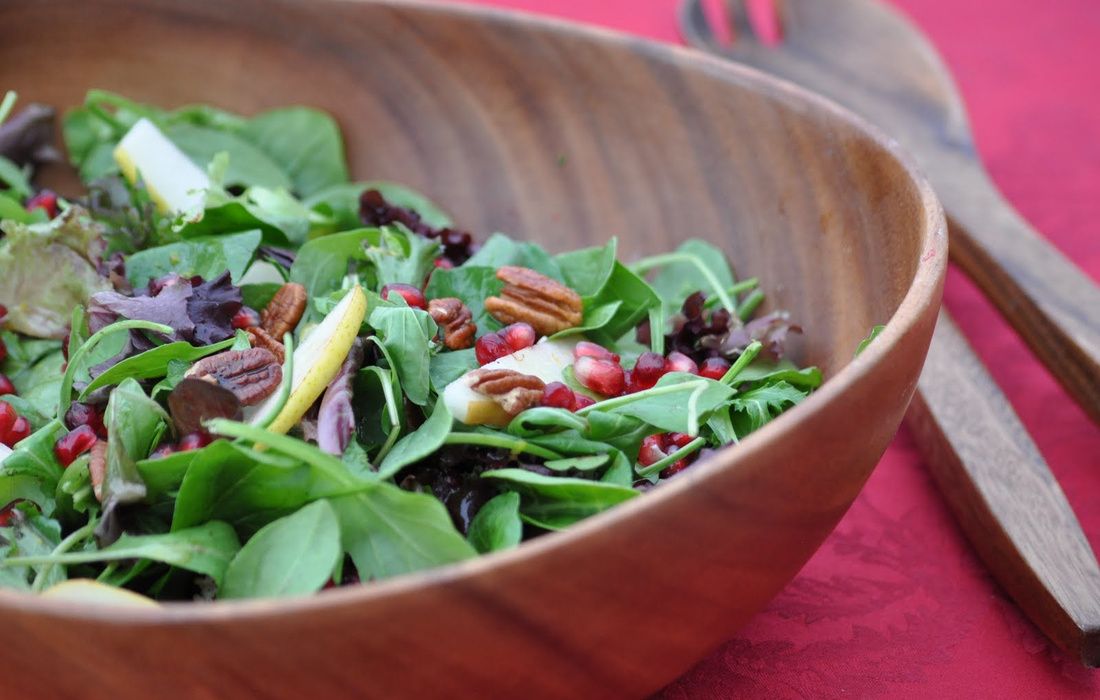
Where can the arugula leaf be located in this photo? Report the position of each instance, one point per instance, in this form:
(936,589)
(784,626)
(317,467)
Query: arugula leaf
(676,403)
(767,372)
(154,362)
(757,407)
(419,443)
(206,549)
(472,285)
(497,526)
(294,555)
(555,502)
(388,532)
(500,250)
(306,143)
(407,334)
(206,257)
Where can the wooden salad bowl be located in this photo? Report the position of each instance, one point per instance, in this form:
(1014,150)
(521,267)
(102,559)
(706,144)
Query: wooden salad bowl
(566,135)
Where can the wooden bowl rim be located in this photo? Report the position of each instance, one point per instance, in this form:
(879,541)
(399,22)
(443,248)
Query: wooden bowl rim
(918,301)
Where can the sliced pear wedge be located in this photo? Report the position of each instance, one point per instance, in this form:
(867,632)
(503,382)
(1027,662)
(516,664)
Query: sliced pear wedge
(317,361)
(546,360)
(174,182)
(85,590)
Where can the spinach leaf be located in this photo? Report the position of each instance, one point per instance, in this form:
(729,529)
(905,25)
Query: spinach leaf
(585,463)
(34,457)
(677,403)
(135,423)
(445,367)
(636,299)
(555,502)
(163,476)
(497,525)
(388,532)
(153,362)
(206,257)
(305,143)
(256,296)
(419,443)
(294,555)
(206,549)
(757,407)
(407,334)
(621,471)
(322,263)
(500,250)
(15,178)
(241,486)
(342,203)
(535,421)
(375,401)
(595,318)
(234,216)
(470,284)
(248,165)
(588,270)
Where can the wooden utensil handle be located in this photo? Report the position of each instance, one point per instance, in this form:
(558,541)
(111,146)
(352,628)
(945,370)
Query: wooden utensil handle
(1053,305)
(1004,495)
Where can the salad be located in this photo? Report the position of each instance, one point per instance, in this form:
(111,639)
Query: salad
(230,371)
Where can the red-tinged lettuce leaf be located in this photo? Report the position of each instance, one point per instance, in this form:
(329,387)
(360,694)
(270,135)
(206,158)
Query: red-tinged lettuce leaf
(335,419)
(27,138)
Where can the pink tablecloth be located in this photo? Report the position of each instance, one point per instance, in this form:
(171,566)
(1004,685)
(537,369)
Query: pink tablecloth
(895,603)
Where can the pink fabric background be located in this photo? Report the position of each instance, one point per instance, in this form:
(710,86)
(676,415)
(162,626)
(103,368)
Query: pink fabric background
(895,603)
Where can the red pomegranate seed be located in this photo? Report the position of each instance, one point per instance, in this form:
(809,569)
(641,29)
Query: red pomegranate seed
(3,312)
(601,376)
(443,263)
(19,430)
(413,296)
(3,350)
(245,318)
(7,511)
(8,416)
(70,446)
(489,347)
(46,200)
(679,362)
(164,450)
(677,440)
(714,368)
(518,336)
(653,450)
(581,401)
(557,395)
(6,387)
(85,414)
(589,349)
(194,441)
(647,370)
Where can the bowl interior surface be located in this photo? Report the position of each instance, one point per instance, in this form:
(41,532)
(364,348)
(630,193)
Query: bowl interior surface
(565,136)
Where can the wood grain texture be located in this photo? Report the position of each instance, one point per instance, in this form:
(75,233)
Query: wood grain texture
(1004,495)
(568,136)
(869,58)
(866,56)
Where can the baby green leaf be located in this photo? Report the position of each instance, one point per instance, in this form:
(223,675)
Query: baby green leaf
(497,525)
(34,457)
(420,443)
(472,285)
(322,263)
(153,363)
(306,144)
(407,334)
(500,250)
(555,502)
(294,555)
(207,257)
(135,423)
(448,366)
(757,407)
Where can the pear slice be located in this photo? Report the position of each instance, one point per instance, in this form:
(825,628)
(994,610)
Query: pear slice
(174,182)
(317,361)
(85,590)
(546,360)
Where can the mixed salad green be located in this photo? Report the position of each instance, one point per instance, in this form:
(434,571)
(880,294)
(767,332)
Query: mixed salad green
(230,371)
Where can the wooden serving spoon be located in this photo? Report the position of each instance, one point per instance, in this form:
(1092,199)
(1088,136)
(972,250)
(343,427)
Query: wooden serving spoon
(868,57)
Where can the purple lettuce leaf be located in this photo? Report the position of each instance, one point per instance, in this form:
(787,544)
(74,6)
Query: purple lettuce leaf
(335,419)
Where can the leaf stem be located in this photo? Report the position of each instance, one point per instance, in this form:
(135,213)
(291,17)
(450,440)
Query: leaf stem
(63,546)
(496,440)
(618,401)
(672,458)
(747,355)
(5,107)
(91,342)
(742,286)
(646,264)
(749,305)
(292,447)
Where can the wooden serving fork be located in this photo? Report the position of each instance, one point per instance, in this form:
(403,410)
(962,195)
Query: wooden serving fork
(866,56)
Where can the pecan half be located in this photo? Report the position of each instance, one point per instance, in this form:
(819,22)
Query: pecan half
(259,338)
(513,391)
(252,375)
(455,319)
(282,313)
(531,297)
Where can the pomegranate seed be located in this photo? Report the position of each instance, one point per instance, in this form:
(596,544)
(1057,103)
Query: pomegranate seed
(245,318)
(3,312)
(46,200)
(601,376)
(589,349)
(164,450)
(489,347)
(647,370)
(3,350)
(8,416)
(677,440)
(519,336)
(194,441)
(557,395)
(413,296)
(18,431)
(714,368)
(653,450)
(85,414)
(6,512)
(679,362)
(581,401)
(444,263)
(6,387)
(73,444)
